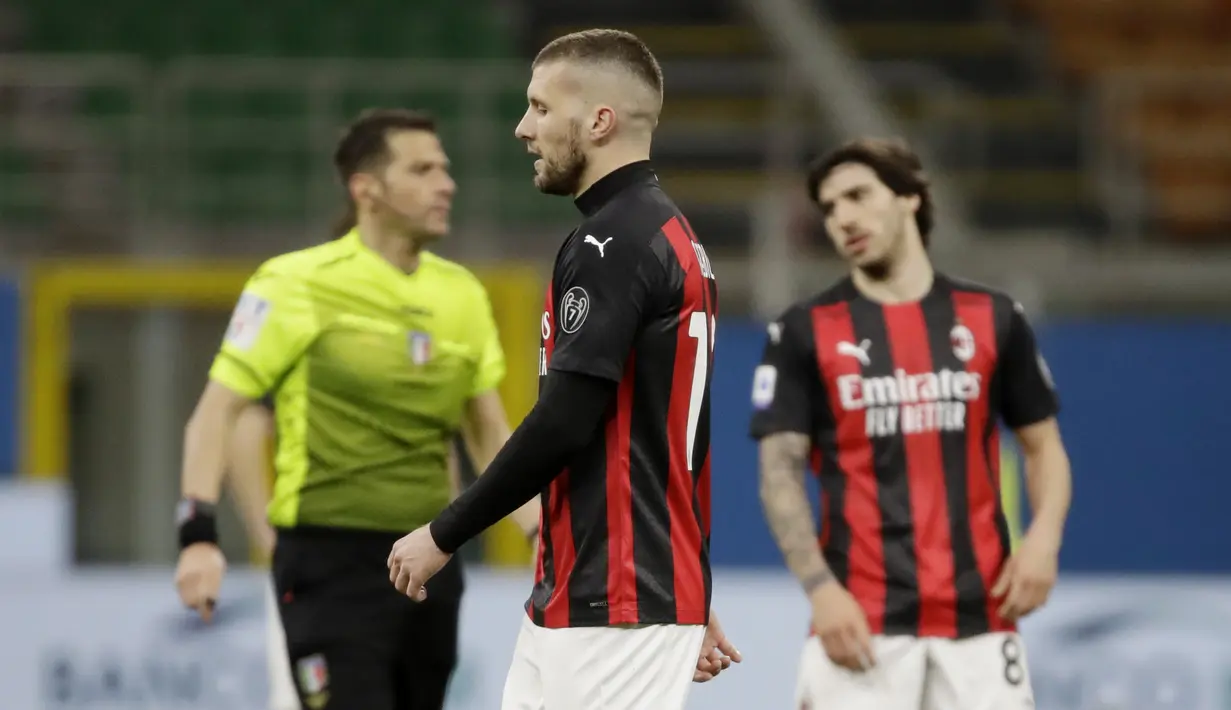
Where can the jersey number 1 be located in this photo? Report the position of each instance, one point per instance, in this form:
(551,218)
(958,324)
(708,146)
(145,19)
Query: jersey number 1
(701,327)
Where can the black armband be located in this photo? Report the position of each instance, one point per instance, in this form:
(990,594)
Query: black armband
(197,522)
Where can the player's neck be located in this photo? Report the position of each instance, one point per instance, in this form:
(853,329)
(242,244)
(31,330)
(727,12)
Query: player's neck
(603,163)
(397,248)
(909,279)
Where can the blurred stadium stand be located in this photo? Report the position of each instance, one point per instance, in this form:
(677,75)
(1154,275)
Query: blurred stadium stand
(959,72)
(1162,70)
(123,120)
(218,118)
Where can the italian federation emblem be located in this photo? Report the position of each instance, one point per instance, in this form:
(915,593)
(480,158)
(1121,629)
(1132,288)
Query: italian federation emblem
(420,347)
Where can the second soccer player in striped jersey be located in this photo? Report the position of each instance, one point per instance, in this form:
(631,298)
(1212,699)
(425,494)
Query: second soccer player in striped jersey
(618,443)
(893,383)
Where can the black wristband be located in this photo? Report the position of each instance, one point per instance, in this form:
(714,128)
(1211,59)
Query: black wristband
(196,521)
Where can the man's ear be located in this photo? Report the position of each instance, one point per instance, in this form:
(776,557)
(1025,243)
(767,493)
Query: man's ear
(602,123)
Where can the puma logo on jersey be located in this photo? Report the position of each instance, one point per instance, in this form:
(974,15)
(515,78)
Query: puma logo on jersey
(859,352)
(600,245)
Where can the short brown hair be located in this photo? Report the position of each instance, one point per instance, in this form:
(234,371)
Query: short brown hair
(364,146)
(894,163)
(598,45)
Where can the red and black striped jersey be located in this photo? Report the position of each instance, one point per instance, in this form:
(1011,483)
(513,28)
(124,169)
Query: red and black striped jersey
(625,534)
(902,403)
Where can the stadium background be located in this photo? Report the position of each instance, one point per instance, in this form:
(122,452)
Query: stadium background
(151,154)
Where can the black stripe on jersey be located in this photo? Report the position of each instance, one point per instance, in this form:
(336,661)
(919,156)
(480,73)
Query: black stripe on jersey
(704,446)
(833,525)
(893,487)
(587,586)
(1002,316)
(940,316)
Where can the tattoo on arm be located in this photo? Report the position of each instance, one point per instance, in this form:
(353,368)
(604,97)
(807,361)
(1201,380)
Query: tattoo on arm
(785,500)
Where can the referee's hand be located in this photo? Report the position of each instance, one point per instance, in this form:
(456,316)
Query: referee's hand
(198,577)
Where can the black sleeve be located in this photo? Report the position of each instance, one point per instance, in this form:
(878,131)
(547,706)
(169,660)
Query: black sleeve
(783,382)
(600,296)
(1027,393)
(568,412)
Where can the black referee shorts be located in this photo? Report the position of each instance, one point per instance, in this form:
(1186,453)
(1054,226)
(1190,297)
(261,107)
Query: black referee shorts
(354,642)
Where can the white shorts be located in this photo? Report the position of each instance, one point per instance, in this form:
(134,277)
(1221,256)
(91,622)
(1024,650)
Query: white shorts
(282,694)
(986,672)
(634,668)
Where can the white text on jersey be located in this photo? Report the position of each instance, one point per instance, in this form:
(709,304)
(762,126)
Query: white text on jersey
(911,404)
(704,260)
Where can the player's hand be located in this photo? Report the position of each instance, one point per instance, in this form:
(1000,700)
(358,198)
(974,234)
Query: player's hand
(1028,576)
(717,653)
(842,626)
(414,560)
(198,577)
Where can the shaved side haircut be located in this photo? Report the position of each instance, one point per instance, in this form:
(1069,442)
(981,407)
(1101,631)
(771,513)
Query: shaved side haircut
(613,49)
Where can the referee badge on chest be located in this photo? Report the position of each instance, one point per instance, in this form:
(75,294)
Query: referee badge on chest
(420,347)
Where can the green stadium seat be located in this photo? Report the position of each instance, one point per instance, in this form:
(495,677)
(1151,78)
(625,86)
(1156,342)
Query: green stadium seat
(250,150)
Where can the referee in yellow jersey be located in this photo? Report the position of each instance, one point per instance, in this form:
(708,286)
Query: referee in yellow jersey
(376,352)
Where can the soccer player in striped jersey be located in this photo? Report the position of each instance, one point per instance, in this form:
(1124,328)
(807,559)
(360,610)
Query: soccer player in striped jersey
(892,384)
(618,444)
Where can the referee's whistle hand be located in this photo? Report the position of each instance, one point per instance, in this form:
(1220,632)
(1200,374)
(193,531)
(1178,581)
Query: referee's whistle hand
(198,577)
(413,561)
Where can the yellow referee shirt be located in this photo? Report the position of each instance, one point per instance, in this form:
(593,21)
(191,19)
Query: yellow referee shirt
(371,368)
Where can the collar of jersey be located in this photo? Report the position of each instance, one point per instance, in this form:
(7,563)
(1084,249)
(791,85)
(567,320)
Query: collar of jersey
(613,183)
(356,245)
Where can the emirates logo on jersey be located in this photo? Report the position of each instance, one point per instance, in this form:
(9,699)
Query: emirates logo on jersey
(574,308)
(911,404)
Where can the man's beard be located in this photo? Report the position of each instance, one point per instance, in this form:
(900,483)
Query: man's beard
(563,176)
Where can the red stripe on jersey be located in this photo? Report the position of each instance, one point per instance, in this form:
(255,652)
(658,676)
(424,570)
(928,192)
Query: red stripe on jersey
(925,471)
(547,343)
(826,528)
(975,311)
(559,526)
(564,554)
(860,506)
(621,567)
(681,485)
